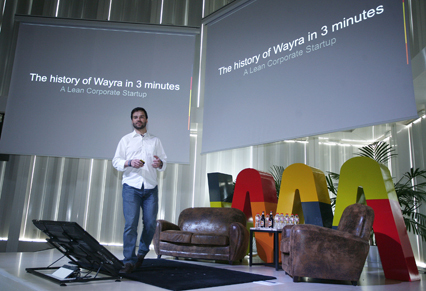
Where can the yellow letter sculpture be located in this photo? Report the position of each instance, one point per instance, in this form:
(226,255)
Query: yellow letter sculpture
(304,192)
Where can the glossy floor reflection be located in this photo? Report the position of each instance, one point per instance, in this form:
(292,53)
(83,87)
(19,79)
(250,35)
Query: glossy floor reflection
(14,277)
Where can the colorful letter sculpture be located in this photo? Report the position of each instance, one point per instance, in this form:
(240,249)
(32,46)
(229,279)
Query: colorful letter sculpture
(392,240)
(220,189)
(255,192)
(304,192)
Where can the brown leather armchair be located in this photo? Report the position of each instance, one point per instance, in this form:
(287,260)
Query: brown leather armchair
(324,253)
(204,233)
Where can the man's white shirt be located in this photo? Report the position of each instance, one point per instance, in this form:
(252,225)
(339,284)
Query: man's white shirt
(134,146)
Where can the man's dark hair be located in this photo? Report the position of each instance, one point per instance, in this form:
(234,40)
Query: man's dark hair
(138,109)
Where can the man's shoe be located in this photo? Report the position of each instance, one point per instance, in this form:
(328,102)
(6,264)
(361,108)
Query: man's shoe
(127,269)
(140,261)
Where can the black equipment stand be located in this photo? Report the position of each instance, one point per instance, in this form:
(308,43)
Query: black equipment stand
(84,251)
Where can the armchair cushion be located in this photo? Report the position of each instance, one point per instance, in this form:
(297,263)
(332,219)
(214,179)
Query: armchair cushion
(209,239)
(176,236)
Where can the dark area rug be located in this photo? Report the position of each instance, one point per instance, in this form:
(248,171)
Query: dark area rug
(175,275)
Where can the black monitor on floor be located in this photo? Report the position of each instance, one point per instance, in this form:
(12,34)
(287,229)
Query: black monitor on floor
(79,246)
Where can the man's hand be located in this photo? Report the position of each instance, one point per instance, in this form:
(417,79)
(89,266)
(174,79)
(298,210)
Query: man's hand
(157,163)
(136,163)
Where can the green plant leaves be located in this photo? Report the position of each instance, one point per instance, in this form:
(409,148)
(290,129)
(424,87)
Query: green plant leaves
(277,174)
(379,151)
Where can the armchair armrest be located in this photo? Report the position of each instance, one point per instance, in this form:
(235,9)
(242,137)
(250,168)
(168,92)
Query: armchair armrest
(286,231)
(162,225)
(285,239)
(238,241)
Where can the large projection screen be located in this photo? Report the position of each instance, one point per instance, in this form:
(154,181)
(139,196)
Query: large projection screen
(74,84)
(292,69)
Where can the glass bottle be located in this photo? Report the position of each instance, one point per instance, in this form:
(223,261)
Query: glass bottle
(271,220)
(262,219)
(296,219)
(291,219)
(257,221)
(277,223)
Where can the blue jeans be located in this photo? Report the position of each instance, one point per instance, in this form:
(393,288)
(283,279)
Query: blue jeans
(133,200)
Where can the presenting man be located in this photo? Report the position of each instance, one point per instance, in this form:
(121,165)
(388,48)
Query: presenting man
(139,155)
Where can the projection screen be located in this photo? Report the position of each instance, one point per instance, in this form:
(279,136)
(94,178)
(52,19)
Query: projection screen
(74,84)
(282,69)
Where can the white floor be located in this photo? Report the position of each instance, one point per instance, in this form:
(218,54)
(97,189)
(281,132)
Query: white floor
(13,277)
